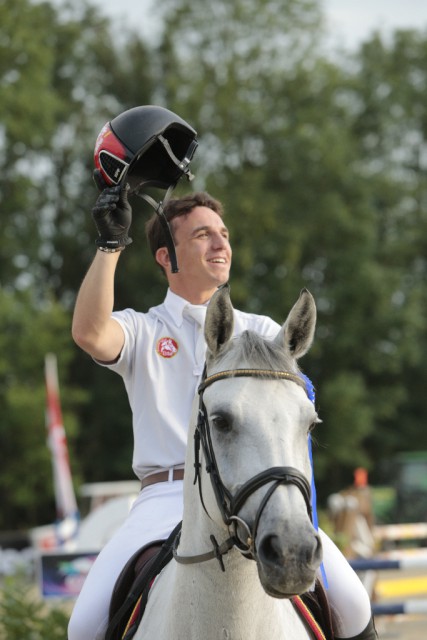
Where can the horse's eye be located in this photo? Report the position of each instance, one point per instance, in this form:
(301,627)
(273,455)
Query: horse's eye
(314,424)
(221,424)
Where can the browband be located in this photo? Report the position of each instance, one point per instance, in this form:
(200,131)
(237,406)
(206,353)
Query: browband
(250,373)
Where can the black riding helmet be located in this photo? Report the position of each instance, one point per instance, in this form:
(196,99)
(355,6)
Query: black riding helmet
(146,146)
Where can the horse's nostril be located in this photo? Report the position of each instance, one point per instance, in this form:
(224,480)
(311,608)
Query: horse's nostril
(319,549)
(315,554)
(269,550)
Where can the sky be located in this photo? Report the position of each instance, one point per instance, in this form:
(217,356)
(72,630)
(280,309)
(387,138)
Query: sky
(349,21)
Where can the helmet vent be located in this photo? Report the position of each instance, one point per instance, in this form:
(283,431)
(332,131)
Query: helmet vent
(114,167)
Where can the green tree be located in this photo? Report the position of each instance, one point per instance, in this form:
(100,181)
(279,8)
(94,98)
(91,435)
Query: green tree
(314,161)
(61,76)
(321,166)
(27,333)
(390,126)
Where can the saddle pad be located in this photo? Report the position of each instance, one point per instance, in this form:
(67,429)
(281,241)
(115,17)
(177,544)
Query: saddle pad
(133,622)
(305,613)
(315,609)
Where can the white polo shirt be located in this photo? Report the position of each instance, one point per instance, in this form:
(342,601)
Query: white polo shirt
(159,369)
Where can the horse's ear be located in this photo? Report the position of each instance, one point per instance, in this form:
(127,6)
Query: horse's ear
(219,321)
(297,333)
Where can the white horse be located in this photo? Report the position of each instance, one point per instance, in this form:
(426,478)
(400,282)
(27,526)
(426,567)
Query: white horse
(247,543)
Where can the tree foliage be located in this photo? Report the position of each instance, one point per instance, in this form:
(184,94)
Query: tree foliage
(320,162)
(23,615)
(27,333)
(322,169)
(60,81)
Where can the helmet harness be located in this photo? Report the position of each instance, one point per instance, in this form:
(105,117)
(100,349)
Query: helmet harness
(183,166)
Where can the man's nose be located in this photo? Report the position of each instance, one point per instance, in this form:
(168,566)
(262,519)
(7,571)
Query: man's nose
(219,240)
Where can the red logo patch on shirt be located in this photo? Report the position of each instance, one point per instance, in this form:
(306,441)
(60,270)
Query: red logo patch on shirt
(167,347)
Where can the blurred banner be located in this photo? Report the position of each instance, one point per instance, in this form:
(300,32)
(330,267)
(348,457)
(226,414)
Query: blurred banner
(61,575)
(66,504)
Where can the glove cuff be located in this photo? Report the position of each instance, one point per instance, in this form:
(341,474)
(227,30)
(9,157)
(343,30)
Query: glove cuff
(107,250)
(111,246)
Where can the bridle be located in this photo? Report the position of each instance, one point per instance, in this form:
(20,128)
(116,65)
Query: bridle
(230,505)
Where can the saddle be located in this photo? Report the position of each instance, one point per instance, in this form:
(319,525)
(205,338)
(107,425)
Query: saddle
(130,594)
(132,587)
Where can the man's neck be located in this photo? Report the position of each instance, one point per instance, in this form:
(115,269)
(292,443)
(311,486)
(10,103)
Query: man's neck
(193,297)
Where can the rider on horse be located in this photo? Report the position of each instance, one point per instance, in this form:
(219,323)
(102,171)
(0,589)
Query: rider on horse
(159,353)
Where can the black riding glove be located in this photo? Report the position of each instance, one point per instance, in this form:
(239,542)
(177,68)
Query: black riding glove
(112,215)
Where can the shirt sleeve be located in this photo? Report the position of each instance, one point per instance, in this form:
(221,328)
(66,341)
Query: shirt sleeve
(132,325)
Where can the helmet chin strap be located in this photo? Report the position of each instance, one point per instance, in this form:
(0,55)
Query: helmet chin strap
(159,209)
(183,166)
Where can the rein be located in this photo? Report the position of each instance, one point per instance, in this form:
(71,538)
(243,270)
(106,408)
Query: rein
(228,504)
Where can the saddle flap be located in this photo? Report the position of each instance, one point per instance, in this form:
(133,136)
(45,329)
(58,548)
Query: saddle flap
(134,583)
(132,569)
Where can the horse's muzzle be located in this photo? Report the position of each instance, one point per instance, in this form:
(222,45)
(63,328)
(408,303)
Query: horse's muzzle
(287,566)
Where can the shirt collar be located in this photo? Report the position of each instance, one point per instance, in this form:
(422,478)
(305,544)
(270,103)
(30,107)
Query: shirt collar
(175,306)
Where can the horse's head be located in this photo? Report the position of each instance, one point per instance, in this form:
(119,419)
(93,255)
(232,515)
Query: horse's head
(257,419)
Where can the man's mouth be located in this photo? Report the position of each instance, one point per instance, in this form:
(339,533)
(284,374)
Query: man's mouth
(217,260)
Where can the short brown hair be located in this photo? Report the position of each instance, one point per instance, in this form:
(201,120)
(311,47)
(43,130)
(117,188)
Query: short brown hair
(175,208)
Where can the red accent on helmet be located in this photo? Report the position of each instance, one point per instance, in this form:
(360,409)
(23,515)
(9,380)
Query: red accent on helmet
(110,156)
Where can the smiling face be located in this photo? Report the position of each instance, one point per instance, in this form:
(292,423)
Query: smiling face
(203,252)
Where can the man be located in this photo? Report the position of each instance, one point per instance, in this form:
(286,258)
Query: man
(156,354)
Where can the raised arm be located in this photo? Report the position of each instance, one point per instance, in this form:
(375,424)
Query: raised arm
(94,330)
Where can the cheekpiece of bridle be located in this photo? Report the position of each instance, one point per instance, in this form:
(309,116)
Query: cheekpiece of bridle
(229,504)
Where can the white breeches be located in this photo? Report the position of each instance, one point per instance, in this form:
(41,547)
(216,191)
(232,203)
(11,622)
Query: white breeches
(153,516)
(348,598)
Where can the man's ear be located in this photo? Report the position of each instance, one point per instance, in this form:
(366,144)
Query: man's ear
(162,257)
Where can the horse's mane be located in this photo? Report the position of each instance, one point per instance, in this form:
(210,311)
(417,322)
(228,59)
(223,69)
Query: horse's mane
(250,349)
